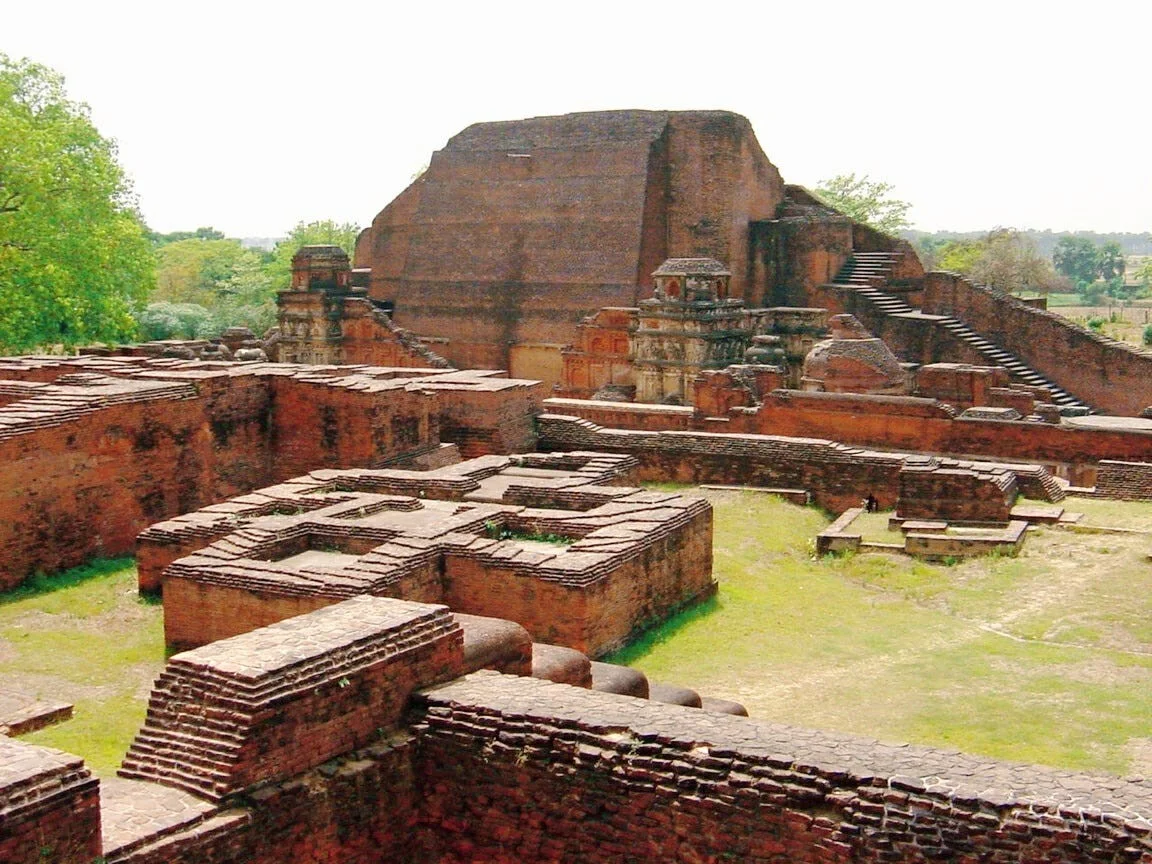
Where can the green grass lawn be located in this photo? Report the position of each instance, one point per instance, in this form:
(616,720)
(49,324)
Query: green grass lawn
(84,637)
(1042,658)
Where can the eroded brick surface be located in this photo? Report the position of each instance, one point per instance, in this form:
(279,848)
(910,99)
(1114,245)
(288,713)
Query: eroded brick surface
(523,770)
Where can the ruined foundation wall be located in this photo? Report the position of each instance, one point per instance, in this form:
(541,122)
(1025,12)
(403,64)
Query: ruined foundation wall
(837,476)
(84,489)
(518,769)
(904,423)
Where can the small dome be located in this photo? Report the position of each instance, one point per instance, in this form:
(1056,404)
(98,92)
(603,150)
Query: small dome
(854,366)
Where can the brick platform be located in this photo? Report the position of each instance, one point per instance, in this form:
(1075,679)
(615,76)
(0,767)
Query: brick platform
(49,806)
(275,702)
(461,535)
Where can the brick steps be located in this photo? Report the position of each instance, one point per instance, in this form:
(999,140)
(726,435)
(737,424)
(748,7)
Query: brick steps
(867,280)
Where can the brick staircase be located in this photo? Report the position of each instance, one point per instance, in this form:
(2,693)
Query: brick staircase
(867,274)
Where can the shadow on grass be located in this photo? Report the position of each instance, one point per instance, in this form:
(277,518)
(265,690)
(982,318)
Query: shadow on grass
(639,647)
(41,584)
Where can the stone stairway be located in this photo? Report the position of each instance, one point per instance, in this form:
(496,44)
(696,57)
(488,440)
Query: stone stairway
(867,273)
(870,269)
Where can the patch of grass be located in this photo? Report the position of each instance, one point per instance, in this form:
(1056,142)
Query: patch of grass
(100,730)
(85,637)
(99,579)
(1039,658)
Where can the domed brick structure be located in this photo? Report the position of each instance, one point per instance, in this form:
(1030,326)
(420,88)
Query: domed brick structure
(853,361)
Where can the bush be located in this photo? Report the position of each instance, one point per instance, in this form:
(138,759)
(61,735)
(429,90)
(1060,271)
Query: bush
(1096,323)
(1148,335)
(176,321)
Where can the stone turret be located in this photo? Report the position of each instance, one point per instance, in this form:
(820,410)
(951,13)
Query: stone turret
(689,325)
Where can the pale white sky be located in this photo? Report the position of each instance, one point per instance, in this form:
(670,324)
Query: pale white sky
(251,116)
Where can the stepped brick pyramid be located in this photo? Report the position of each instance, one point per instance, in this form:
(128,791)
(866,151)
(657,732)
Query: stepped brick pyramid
(539,539)
(519,229)
(274,702)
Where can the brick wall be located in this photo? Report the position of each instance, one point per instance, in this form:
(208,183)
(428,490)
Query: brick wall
(49,806)
(837,476)
(889,422)
(1102,372)
(521,770)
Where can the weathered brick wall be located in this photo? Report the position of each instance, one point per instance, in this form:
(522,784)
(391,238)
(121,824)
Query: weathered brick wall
(1127,481)
(956,494)
(328,423)
(278,701)
(83,488)
(916,425)
(518,230)
(491,415)
(837,476)
(49,806)
(517,769)
(1107,374)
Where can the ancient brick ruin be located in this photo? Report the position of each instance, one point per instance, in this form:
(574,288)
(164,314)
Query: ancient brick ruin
(542,540)
(97,448)
(517,230)
(364,732)
(394,578)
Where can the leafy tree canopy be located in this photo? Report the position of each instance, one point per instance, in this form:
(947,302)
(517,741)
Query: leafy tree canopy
(1075,257)
(206,233)
(74,259)
(865,200)
(1003,258)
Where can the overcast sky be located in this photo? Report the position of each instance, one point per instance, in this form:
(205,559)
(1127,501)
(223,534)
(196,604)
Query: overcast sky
(251,116)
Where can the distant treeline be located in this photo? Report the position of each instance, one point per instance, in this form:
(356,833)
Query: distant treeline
(1130,244)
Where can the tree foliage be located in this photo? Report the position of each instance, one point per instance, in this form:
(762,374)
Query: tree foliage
(865,200)
(206,282)
(74,260)
(1075,257)
(1003,258)
(1093,270)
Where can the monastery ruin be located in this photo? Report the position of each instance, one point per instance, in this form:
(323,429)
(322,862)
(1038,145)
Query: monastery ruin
(395,536)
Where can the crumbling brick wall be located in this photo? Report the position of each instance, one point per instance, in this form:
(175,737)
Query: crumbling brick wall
(516,769)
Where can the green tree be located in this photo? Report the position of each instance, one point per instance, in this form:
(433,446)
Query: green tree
(227,283)
(1110,262)
(1075,257)
(206,233)
(74,260)
(325,231)
(192,270)
(1003,258)
(865,200)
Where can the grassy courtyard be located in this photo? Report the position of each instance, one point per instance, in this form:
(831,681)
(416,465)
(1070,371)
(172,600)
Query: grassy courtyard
(1043,658)
(84,637)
